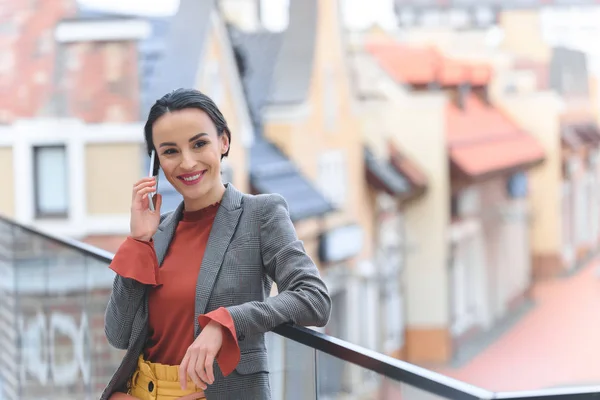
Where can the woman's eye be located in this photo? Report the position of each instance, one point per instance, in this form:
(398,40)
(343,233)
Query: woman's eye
(169,151)
(199,144)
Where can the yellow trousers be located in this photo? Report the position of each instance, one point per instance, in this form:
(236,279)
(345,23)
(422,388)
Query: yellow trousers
(154,381)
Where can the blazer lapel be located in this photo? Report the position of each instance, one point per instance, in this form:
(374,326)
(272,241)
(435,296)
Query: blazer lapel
(163,236)
(220,236)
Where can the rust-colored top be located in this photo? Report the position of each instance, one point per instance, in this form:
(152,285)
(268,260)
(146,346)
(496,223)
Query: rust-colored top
(172,295)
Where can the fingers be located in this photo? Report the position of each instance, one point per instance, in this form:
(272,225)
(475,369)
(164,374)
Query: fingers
(141,194)
(183,371)
(193,369)
(141,184)
(208,375)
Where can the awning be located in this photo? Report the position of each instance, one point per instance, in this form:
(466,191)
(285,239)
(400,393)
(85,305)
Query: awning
(383,176)
(410,170)
(588,133)
(569,137)
(272,172)
(482,141)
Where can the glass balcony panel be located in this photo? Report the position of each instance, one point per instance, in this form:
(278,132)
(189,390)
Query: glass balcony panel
(340,380)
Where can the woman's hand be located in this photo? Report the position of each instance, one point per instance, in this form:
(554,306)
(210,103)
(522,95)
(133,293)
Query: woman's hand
(198,361)
(144,222)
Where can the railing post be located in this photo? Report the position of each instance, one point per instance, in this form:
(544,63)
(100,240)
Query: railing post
(10,387)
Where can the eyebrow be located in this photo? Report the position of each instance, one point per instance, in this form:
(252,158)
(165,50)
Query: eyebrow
(195,137)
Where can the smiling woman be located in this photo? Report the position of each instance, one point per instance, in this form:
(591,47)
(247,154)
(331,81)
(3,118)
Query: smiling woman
(192,327)
(191,138)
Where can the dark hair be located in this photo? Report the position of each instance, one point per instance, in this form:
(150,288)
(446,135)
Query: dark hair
(181,99)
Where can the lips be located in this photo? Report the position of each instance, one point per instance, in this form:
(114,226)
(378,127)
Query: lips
(191,178)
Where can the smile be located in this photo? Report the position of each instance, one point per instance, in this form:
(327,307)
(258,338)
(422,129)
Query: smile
(191,179)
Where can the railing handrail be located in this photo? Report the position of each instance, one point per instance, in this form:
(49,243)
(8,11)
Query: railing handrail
(387,366)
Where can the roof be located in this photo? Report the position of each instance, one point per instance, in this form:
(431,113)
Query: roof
(382,175)
(257,51)
(272,172)
(280,64)
(184,46)
(276,68)
(294,65)
(482,140)
(420,65)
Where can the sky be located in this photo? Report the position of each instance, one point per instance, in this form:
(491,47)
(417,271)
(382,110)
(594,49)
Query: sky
(141,7)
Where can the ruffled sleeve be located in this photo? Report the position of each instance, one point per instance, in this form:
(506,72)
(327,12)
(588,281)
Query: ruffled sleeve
(229,356)
(137,260)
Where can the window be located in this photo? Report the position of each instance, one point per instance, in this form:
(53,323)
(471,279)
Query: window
(332,177)
(50,180)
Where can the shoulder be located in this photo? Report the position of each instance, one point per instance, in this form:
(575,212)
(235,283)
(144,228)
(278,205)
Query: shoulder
(265,207)
(264,202)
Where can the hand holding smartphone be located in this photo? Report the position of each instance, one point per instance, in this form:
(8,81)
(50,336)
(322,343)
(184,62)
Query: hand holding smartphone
(154,168)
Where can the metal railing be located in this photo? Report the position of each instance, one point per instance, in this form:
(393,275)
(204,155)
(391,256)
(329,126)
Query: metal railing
(383,377)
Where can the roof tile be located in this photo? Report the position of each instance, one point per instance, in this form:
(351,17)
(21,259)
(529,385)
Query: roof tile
(482,140)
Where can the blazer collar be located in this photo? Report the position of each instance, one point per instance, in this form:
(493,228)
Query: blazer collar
(231,201)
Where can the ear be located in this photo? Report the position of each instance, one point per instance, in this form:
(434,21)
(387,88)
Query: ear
(224,143)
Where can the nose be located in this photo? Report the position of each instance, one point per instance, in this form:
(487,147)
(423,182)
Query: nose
(187,162)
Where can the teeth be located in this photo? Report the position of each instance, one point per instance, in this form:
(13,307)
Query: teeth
(192,178)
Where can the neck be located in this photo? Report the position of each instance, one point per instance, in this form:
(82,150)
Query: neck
(213,196)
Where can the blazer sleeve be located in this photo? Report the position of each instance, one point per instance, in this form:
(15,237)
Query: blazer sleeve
(128,293)
(303,298)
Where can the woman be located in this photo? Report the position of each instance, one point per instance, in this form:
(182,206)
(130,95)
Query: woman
(190,302)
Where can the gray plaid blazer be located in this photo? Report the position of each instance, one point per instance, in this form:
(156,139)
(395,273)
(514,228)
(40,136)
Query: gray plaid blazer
(251,244)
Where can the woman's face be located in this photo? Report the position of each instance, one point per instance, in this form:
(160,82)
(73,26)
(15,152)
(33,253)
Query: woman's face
(189,150)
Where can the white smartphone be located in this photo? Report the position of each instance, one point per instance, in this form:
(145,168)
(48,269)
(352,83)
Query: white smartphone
(154,166)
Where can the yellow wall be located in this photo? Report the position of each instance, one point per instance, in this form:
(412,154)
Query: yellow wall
(108,188)
(7,184)
(538,114)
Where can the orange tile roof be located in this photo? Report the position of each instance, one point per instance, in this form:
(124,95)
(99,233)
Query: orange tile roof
(404,63)
(482,140)
(422,65)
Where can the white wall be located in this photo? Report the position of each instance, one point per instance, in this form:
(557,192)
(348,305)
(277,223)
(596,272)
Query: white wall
(23,136)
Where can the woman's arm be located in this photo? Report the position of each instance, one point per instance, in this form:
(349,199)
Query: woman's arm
(137,267)
(303,298)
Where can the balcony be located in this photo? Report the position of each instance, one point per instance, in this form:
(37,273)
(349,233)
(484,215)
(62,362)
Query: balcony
(53,293)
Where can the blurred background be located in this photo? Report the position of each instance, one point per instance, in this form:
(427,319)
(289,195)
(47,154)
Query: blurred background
(440,159)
